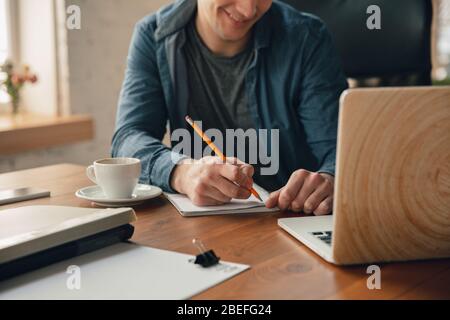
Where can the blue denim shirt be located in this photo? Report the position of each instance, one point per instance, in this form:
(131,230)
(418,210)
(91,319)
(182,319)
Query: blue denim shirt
(293,84)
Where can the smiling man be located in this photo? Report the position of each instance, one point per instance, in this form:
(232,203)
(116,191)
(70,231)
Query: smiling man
(249,64)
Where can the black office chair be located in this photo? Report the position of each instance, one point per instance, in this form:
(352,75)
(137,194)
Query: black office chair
(397,55)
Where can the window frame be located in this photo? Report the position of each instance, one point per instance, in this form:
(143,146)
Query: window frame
(12,34)
(12,28)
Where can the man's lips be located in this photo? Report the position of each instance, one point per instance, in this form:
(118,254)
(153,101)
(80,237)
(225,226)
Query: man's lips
(236,21)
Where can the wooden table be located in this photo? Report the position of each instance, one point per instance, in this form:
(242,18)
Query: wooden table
(281,267)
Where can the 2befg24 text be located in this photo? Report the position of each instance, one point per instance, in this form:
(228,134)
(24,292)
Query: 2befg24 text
(225,309)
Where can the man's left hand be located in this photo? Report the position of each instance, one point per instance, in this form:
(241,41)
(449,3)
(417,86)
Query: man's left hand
(306,191)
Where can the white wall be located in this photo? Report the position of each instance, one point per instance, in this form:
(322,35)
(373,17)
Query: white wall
(96,63)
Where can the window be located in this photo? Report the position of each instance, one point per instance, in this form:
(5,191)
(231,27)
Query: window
(4,45)
(443,44)
(28,35)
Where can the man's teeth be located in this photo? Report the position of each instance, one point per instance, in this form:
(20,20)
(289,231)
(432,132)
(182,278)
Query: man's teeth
(234,18)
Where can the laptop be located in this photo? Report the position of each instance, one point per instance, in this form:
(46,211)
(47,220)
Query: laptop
(392,184)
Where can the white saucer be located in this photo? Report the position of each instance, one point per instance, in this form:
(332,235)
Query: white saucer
(141,193)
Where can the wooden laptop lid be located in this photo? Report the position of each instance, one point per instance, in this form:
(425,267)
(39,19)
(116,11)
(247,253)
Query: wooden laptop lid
(392,197)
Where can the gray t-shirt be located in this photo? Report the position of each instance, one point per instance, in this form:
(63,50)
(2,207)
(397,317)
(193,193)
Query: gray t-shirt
(217,85)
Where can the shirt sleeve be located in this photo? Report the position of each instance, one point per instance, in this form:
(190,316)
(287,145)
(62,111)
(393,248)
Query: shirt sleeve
(322,84)
(142,114)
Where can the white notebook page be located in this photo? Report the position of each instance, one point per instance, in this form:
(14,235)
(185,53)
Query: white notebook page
(185,206)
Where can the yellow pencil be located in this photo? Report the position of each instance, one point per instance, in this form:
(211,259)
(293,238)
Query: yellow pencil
(214,148)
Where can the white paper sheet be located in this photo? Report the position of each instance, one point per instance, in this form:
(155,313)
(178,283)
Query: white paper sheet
(121,271)
(251,205)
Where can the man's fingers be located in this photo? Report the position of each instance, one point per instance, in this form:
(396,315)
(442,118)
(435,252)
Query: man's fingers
(308,187)
(204,193)
(201,200)
(209,160)
(316,197)
(230,189)
(234,174)
(246,168)
(214,193)
(235,161)
(272,201)
(290,191)
(325,207)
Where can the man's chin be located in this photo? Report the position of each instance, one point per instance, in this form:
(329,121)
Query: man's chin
(234,36)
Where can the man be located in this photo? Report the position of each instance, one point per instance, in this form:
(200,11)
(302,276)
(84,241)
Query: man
(234,64)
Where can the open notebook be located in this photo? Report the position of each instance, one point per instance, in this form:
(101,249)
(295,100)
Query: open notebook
(250,205)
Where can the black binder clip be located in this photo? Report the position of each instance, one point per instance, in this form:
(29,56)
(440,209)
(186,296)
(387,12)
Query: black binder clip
(206,258)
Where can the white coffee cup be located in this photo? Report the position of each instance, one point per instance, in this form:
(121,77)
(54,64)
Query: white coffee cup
(117,177)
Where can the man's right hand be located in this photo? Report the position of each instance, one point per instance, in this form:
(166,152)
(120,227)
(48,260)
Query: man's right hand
(210,181)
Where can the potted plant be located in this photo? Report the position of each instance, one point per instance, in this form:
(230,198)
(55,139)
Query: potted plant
(13,81)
